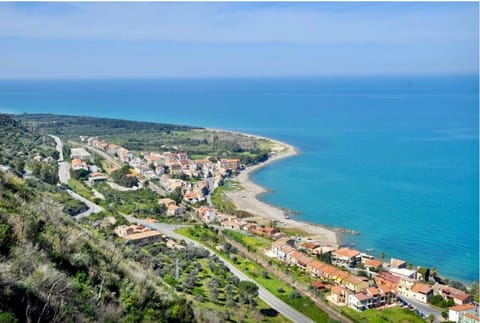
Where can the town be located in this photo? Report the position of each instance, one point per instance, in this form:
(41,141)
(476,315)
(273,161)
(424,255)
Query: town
(345,276)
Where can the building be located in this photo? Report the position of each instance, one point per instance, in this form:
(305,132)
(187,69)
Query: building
(300,259)
(338,295)
(97,177)
(421,292)
(315,267)
(355,283)
(138,233)
(232,164)
(345,257)
(469,317)
(372,264)
(459,297)
(455,312)
(174,210)
(79,153)
(167,202)
(403,273)
(77,164)
(397,263)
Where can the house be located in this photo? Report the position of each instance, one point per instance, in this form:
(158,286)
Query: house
(469,317)
(79,153)
(314,267)
(309,247)
(269,231)
(397,263)
(403,272)
(137,233)
(387,278)
(124,155)
(167,202)
(282,248)
(97,177)
(340,277)
(79,164)
(372,264)
(405,286)
(319,285)
(361,301)
(371,297)
(355,283)
(232,164)
(345,257)
(338,295)
(421,292)
(112,149)
(298,258)
(455,312)
(459,297)
(174,210)
(230,225)
(327,271)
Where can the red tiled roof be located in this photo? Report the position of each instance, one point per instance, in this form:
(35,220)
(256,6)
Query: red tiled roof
(317,264)
(346,252)
(318,285)
(460,308)
(421,288)
(373,263)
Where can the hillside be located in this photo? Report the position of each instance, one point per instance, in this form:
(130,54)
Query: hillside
(148,136)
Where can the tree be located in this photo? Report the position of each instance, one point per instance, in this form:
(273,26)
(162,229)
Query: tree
(474,291)
(248,292)
(213,285)
(431,318)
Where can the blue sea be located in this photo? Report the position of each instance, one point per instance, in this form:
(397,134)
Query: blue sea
(395,158)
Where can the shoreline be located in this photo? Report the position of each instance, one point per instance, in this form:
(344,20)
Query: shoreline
(246,199)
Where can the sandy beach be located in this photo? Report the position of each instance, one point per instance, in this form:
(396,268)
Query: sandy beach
(246,199)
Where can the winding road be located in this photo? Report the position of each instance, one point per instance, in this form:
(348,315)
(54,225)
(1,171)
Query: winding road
(64,176)
(282,307)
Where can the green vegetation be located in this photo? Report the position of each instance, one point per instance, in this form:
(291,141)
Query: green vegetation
(393,315)
(197,142)
(124,177)
(20,143)
(219,199)
(210,238)
(252,243)
(142,202)
(437,300)
(79,188)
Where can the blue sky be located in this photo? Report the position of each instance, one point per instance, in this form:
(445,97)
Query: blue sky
(149,40)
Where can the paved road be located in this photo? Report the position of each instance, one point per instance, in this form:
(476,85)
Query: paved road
(64,176)
(423,308)
(92,207)
(282,307)
(63,166)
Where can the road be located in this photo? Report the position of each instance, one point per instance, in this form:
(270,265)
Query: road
(63,166)
(423,308)
(92,207)
(64,176)
(282,307)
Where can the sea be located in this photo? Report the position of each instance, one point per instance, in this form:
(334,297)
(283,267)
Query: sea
(394,158)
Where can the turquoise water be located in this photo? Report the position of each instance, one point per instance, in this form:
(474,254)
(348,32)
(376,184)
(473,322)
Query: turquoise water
(393,158)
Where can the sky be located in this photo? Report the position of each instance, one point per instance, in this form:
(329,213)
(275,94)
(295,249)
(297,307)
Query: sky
(189,40)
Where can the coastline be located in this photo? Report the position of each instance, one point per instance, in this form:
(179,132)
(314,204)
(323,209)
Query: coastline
(247,200)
